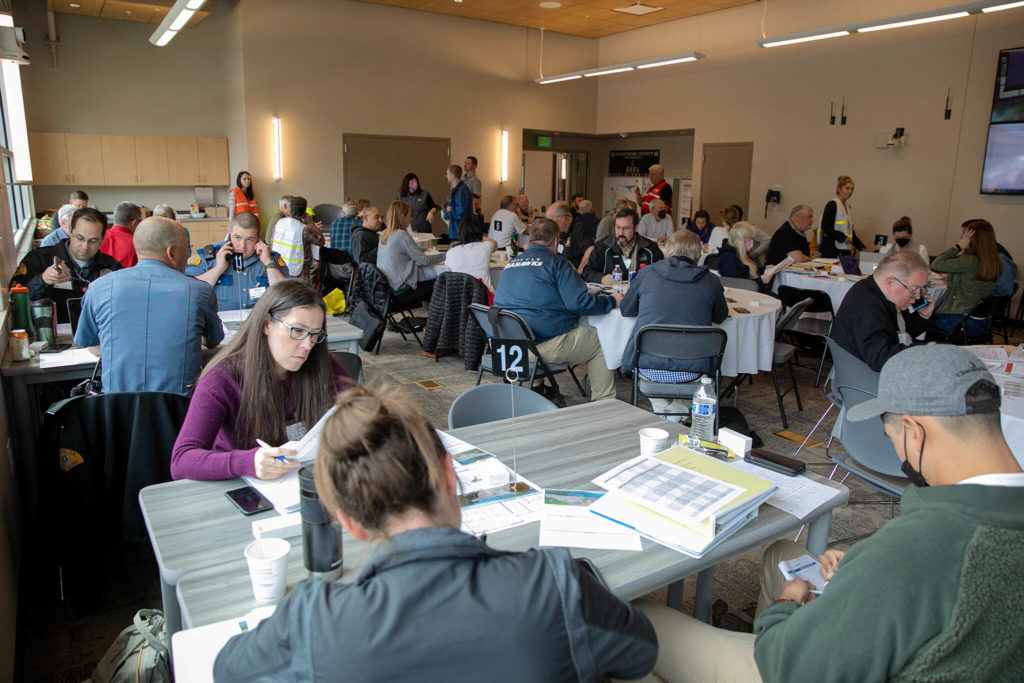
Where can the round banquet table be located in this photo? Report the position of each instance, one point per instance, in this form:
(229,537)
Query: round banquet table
(751,336)
(836,286)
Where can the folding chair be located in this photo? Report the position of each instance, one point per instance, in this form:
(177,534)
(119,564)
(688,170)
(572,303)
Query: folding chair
(490,402)
(821,302)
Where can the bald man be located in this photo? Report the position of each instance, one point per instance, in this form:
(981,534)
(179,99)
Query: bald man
(148,324)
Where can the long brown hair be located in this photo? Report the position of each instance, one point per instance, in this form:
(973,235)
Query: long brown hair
(378,458)
(983,247)
(247,360)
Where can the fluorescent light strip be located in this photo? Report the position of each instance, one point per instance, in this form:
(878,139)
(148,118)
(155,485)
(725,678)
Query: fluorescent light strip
(666,63)
(999,8)
(913,22)
(605,72)
(167,37)
(182,19)
(805,39)
(559,79)
(194,4)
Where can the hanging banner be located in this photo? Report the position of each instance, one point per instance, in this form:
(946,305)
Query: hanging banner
(632,162)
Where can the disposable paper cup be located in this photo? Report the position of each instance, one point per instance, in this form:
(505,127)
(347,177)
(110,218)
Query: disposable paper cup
(652,441)
(268,568)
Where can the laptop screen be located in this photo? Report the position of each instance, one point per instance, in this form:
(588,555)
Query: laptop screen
(74,313)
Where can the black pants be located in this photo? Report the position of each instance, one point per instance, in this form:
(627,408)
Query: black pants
(412,298)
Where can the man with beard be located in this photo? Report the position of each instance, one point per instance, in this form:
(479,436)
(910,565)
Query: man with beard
(625,248)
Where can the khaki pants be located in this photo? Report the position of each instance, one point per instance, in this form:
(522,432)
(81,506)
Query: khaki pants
(689,650)
(580,345)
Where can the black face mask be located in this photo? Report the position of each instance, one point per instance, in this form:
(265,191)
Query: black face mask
(662,213)
(915,476)
(902,241)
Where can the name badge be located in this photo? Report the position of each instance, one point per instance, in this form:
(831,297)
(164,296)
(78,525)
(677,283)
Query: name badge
(256,292)
(295,431)
(63,285)
(904,338)
(627,261)
(560,248)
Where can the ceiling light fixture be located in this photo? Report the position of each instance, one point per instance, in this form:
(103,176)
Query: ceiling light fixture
(931,16)
(74,5)
(620,68)
(550,5)
(638,9)
(177,16)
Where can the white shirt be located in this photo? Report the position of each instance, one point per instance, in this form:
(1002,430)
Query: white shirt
(474,259)
(503,222)
(654,229)
(1000,479)
(717,235)
(288,243)
(892,246)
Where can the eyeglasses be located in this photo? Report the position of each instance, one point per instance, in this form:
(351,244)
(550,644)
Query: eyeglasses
(300,333)
(915,291)
(81,240)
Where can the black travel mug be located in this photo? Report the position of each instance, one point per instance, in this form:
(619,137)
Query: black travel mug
(44,319)
(321,540)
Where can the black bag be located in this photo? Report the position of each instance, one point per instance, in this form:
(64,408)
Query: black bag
(369,321)
(733,419)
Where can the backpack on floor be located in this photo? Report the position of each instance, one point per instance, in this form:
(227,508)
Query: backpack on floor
(733,419)
(138,654)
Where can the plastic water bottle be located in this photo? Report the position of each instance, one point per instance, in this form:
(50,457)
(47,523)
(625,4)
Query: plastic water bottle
(617,275)
(703,411)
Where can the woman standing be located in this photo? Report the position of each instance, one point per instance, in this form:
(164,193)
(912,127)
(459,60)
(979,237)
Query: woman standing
(240,197)
(837,235)
(274,378)
(399,258)
(973,266)
(419,200)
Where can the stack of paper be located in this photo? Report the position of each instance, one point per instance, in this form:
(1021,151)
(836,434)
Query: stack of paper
(681,499)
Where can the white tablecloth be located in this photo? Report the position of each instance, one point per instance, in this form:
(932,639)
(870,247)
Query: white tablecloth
(838,285)
(751,336)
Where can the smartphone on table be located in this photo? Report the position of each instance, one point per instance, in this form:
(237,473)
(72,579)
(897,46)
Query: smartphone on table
(248,500)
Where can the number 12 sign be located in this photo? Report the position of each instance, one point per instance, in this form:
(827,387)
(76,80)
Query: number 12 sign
(509,357)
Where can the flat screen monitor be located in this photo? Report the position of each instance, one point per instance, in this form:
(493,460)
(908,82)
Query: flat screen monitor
(1004,153)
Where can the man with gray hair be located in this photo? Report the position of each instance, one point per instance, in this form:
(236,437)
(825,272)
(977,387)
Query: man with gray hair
(881,314)
(117,243)
(342,226)
(574,242)
(167,211)
(148,323)
(505,223)
(790,239)
(59,231)
(659,189)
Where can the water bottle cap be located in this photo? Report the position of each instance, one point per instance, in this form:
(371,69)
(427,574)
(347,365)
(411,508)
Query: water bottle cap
(705,380)
(19,289)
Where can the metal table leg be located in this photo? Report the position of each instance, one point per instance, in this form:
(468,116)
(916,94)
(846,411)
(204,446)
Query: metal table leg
(702,602)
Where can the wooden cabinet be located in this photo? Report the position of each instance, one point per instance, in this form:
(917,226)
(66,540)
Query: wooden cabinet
(213,161)
(182,161)
(202,233)
(118,154)
(85,159)
(49,159)
(95,160)
(151,161)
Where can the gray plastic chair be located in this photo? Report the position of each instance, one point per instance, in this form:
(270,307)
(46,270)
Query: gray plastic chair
(783,355)
(678,342)
(490,402)
(869,455)
(739,283)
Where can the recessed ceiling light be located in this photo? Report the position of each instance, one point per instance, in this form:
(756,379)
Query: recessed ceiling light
(127,11)
(550,5)
(74,5)
(638,9)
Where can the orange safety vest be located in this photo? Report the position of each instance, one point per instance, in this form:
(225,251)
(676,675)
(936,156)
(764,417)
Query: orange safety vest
(243,205)
(653,192)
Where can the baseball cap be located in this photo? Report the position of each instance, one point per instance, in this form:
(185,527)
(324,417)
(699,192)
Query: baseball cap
(928,380)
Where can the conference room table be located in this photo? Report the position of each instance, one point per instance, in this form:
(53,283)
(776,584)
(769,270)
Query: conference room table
(341,335)
(199,537)
(837,284)
(1011,382)
(750,345)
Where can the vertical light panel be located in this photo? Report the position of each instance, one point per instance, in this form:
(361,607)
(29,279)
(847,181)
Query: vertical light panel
(16,115)
(278,164)
(565,168)
(504,156)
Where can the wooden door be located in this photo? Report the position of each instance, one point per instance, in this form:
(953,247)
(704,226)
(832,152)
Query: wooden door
(151,160)
(213,162)
(49,159)
(182,161)
(725,176)
(119,160)
(85,159)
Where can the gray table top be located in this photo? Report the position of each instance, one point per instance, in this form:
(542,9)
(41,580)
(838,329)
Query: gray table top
(560,449)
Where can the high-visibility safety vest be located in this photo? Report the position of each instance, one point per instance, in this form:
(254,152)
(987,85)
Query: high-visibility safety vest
(240,204)
(843,223)
(653,192)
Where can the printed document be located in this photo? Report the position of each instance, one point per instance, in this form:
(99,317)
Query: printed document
(566,521)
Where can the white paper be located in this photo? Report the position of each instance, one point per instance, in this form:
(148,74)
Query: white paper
(503,514)
(566,521)
(799,496)
(804,567)
(305,449)
(987,352)
(771,270)
(1018,354)
(234,316)
(67,357)
(196,649)
(282,492)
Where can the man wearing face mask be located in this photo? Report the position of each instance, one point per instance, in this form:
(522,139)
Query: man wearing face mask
(625,249)
(882,314)
(903,239)
(657,225)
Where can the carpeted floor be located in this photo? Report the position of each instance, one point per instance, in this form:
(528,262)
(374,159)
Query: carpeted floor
(62,642)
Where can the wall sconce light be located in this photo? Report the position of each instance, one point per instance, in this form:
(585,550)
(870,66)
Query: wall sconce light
(504,157)
(565,167)
(278,165)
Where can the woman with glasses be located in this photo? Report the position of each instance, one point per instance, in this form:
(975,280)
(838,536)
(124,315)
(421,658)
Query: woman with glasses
(273,381)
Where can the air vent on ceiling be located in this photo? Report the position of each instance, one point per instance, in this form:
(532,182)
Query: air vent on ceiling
(638,9)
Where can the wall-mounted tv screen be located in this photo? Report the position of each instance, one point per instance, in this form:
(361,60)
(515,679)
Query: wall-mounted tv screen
(1004,153)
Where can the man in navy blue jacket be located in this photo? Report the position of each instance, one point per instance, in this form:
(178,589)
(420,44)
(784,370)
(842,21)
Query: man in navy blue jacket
(547,292)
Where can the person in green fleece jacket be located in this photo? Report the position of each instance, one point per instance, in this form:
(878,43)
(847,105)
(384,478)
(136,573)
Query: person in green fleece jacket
(935,595)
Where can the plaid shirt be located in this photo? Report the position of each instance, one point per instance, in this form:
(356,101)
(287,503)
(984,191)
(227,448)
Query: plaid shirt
(341,232)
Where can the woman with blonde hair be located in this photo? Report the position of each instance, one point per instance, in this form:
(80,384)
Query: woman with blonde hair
(431,603)
(734,259)
(972,266)
(400,258)
(836,228)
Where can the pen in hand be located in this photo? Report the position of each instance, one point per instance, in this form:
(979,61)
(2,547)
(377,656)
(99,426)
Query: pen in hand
(264,444)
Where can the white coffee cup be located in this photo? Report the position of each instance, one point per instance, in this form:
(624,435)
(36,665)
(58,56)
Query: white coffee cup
(652,440)
(268,568)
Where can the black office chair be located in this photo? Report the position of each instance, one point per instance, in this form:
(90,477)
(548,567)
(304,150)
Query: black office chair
(325,214)
(711,261)
(985,310)
(816,328)
(501,324)
(677,342)
(784,353)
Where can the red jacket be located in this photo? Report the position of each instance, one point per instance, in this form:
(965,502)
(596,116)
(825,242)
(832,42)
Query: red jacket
(117,243)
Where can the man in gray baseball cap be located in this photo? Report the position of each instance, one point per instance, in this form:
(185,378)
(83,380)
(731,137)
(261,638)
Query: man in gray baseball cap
(937,592)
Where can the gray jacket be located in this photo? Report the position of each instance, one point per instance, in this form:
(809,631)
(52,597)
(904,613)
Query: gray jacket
(399,258)
(437,605)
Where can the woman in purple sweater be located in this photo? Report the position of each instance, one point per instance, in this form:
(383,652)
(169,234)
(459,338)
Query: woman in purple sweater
(272,378)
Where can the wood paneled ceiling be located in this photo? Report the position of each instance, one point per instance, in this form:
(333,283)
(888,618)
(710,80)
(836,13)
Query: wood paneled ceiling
(149,12)
(585,18)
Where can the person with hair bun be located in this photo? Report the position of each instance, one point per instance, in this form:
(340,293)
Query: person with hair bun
(274,380)
(836,228)
(431,603)
(903,239)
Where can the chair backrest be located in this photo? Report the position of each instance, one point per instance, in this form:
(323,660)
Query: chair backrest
(501,323)
(848,370)
(821,301)
(326,214)
(988,306)
(490,402)
(373,286)
(711,261)
(789,318)
(739,283)
(351,363)
(866,441)
(682,342)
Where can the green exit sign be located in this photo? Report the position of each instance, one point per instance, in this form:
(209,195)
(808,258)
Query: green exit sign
(543,141)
